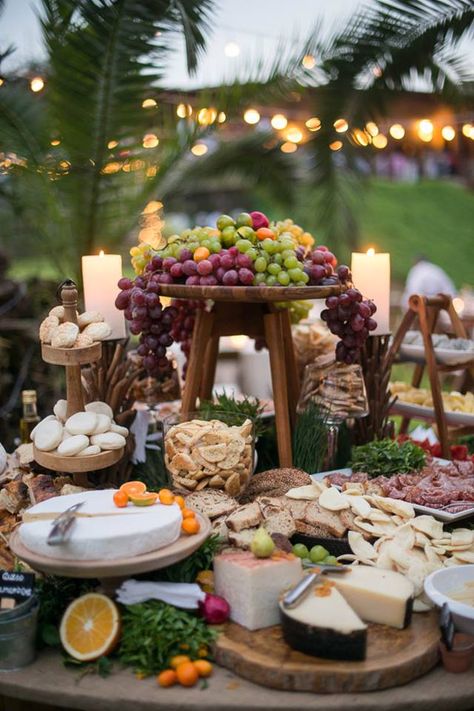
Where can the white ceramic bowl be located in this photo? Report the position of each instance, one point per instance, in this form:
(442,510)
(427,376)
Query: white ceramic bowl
(439,584)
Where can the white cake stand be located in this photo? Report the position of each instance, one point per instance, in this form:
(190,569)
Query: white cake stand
(111,573)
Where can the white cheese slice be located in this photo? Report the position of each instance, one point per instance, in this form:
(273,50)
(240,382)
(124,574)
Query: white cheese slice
(376,595)
(325,626)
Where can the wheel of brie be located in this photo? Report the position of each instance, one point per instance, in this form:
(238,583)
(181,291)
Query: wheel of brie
(105,531)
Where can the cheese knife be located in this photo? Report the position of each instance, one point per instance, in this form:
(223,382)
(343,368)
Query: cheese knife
(294,596)
(62,525)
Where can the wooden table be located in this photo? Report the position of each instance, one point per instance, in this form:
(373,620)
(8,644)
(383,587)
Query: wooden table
(251,311)
(47,685)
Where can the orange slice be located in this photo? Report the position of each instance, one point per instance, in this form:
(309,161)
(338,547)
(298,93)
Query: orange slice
(146,499)
(90,627)
(133,487)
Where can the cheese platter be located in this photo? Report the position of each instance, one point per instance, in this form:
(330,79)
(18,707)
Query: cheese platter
(412,411)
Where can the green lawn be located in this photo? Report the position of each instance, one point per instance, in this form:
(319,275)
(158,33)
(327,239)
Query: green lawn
(432,218)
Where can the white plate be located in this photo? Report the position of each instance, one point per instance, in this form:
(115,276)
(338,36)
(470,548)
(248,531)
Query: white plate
(436,513)
(447,356)
(427,413)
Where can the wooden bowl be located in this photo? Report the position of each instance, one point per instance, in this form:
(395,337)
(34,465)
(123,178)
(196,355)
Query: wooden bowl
(71,356)
(72,465)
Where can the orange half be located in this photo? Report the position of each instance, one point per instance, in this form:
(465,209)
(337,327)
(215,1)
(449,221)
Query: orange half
(131,488)
(90,627)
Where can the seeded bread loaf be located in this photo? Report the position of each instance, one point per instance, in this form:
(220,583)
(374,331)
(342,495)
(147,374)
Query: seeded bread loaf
(211,503)
(274,482)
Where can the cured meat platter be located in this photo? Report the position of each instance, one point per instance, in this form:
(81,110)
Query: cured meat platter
(438,513)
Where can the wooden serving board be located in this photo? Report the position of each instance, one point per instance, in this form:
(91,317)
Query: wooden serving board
(251,294)
(117,567)
(394,657)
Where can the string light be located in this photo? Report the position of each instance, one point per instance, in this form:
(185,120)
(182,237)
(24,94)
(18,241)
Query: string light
(150,140)
(149,104)
(221,117)
(294,135)
(313,124)
(308,62)
(37,84)
(467,130)
(251,116)
(397,131)
(380,141)
(372,128)
(206,116)
(425,130)
(335,145)
(151,171)
(112,167)
(2,81)
(199,149)
(152,207)
(288,147)
(360,137)
(112,144)
(279,121)
(232,49)
(55,142)
(448,133)
(341,125)
(184,110)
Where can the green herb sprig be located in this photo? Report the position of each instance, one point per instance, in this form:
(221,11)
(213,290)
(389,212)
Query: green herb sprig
(310,439)
(153,632)
(386,457)
(246,407)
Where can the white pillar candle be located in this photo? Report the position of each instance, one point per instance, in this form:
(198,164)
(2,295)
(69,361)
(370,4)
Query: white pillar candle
(371,275)
(100,274)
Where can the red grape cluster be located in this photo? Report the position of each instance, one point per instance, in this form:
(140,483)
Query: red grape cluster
(183,325)
(140,301)
(230,267)
(349,317)
(320,265)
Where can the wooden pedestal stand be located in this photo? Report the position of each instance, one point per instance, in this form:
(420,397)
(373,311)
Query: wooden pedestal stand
(250,311)
(72,359)
(426,310)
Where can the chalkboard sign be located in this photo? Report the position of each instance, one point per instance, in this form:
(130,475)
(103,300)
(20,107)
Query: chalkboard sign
(16,586)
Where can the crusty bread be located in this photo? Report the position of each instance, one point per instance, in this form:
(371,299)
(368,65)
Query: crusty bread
(280,522)
(274,482)
(242,539)
(296,507)
(211,503)
(219,526)
(246,516)
(326,520)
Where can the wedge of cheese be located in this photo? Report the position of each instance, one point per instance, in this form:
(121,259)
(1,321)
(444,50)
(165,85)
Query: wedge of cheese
(252,586)
(324,625)
(377,595)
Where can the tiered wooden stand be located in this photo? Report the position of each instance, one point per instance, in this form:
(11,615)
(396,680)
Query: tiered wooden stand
(72,359)
(251,311)
(426,311)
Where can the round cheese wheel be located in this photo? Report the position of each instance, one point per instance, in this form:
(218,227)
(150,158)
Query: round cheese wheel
(107,532)
(81,423)
(101,408)
(73,445)
(48,435)
(109,440)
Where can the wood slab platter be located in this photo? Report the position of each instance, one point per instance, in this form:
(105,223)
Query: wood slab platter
(394,657)
(77,464)
(119,567)
(253,294)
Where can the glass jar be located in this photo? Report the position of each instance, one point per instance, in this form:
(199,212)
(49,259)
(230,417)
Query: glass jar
(209,452)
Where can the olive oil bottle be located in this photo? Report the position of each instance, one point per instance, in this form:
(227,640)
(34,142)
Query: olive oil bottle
(30,416)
